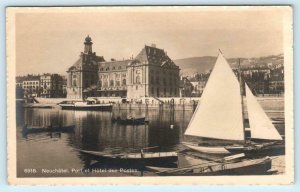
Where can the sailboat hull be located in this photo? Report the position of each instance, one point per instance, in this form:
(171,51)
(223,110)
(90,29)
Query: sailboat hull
(255,149)
(209,150)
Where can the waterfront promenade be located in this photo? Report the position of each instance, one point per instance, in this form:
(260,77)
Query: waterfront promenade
(269,103)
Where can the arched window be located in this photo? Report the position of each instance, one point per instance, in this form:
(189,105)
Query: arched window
(111,83)
(74,83)
(124,82)
(105,83)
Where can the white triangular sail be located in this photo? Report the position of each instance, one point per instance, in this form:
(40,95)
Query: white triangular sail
(219,115)
(261,126)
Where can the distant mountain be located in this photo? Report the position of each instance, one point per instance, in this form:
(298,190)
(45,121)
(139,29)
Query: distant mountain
(191,65)
(203,64)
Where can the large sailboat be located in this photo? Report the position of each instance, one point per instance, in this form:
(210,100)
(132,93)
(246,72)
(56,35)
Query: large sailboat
(221,116)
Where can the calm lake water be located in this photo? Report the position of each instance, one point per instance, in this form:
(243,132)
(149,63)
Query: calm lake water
(94,130)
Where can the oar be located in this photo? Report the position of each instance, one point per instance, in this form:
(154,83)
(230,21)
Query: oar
(150,147)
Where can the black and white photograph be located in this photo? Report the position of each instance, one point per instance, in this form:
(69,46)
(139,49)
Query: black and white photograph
(153,95)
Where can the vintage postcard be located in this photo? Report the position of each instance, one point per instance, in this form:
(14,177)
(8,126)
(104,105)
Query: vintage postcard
(150,95)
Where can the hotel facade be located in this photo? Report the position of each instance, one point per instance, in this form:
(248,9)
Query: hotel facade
(150,74)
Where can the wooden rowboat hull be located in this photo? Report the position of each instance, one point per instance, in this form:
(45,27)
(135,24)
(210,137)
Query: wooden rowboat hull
(146,158)
(246,167)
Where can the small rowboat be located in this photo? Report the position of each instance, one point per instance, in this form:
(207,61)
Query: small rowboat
(144,157)
(130,120)
(63,129)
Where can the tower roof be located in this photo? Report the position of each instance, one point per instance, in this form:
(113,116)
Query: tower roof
(88,39)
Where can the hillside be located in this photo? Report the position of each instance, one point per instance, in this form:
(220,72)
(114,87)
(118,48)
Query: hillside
(192,65)
(195,64)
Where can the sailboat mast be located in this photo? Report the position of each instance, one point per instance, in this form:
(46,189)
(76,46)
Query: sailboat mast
(242,101)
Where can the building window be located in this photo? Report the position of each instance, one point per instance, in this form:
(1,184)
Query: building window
(107,69)
(124,82)
(138,79)
(119,67)
(151,80)
(137,87)
(157,80)
(111,83)
(74,76)
(105,83)
(113,68)
(152,90)
(117,83)
(74,82)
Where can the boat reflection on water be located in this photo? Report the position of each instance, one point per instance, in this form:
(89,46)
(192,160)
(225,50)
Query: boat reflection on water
(94,131)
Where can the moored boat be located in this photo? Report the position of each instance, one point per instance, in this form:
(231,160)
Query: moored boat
(243,167)
(130,120)
(63,129)
(86,105)
(142,157)
(67,105)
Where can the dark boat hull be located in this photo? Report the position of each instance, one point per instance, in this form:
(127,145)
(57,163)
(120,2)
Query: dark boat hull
(162,160)
(146,161)
(67,107)
(131,121)
(64,129)
(259,168)
(87,108)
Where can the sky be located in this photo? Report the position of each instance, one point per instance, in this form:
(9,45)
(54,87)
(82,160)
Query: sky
(51,41)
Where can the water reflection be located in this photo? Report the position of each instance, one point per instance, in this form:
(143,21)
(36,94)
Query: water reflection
(94,130)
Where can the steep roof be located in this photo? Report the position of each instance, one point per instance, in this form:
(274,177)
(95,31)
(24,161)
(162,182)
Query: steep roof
(155,56)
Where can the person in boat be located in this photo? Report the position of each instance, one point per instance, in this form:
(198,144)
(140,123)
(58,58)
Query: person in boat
(142,153)
(25,131)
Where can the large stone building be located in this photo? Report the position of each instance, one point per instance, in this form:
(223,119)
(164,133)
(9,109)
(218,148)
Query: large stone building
(150,74)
